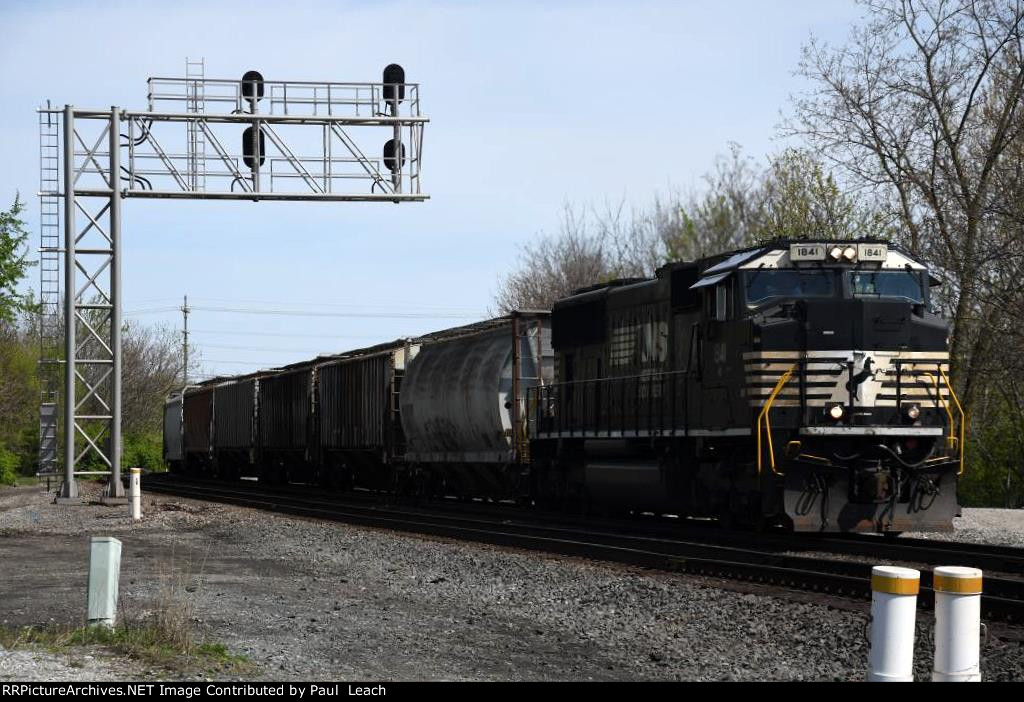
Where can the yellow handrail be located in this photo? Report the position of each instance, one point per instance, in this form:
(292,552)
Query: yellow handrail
(939,399)
(767,422)
(963,418)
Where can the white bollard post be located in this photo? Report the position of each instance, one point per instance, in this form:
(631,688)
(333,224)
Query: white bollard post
(893,616)
(104,571)
(957,624)
(135,492)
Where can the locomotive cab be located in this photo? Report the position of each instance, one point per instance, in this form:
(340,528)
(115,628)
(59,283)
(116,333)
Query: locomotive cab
(865,404)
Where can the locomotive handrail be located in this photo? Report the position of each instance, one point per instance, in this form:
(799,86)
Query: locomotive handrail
(952,438)
(588,405)
(764,415)
(940,401)
(963,417)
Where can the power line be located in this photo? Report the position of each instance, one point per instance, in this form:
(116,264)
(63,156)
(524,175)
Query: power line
(303,313)
(251,348)
(402,305)
(367,315)
(152,310)
(235,332)
(267,364)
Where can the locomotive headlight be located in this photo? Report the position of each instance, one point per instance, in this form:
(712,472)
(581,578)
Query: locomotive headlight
(836,253)
(850,253)
(912,411)
(835,412)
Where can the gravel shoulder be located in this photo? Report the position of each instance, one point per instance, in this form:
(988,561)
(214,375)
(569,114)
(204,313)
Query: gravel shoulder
(984,525)
(310,600)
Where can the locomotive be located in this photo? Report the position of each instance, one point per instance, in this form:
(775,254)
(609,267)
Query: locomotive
(798,384)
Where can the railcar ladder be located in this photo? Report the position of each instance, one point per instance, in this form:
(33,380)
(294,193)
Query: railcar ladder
(535,354)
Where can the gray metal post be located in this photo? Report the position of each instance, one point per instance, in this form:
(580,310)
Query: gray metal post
(398,149)
(396,175)
(115,489)
(184,317)
(69,489)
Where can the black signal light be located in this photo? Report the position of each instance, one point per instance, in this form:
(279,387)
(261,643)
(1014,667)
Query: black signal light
(247,148)
(252,86)
(394,155)
(394,82)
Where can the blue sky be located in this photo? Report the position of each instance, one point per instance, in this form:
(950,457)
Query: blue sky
(531,105)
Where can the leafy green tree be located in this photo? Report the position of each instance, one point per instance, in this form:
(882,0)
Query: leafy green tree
(19,396)
(13,262)
(801,199)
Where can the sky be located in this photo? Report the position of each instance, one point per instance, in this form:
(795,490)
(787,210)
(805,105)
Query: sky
(531,105)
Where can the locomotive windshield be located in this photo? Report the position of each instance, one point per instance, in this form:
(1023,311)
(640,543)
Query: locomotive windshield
(898,284)
(765,285)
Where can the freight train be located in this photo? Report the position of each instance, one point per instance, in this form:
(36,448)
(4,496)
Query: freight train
(797,384)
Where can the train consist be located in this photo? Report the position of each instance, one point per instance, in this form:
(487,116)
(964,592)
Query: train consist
(801,384)
(442,414)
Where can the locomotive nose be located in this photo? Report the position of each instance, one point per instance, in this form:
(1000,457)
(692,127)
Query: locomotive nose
(858,324)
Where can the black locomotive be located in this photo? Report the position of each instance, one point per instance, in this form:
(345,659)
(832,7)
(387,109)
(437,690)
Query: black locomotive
(802,384)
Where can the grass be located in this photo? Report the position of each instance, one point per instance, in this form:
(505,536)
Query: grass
(162,636)
(149,643)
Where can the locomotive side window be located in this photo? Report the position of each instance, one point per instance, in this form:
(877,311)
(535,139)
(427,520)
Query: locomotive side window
(767,285)
(722,302)
(896,284)
(718,301)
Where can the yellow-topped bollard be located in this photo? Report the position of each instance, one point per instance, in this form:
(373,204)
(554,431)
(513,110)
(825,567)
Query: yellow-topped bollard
(893,616)
(957,624)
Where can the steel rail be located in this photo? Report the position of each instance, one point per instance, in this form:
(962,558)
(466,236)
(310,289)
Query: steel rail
(1003,599)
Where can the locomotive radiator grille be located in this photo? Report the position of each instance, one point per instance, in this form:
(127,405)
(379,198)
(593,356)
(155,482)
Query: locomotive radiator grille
(827,376)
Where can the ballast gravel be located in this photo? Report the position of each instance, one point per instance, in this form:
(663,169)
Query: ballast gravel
(984,526)
(304,599)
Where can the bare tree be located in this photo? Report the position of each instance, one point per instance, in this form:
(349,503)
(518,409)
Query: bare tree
(727,215)
(794,196)
(921,107)
(556,264)
(152,361)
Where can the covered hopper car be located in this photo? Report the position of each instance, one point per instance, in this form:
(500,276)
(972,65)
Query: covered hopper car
(383,418)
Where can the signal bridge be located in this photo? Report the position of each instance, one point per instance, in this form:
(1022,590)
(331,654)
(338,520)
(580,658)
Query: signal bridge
(199,138)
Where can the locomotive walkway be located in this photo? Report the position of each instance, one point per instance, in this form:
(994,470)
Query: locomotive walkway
(761,558)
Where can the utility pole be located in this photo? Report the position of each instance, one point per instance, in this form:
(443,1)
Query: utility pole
(184,316)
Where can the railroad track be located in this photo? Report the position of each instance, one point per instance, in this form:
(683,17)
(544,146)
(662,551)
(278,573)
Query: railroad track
(755,558)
